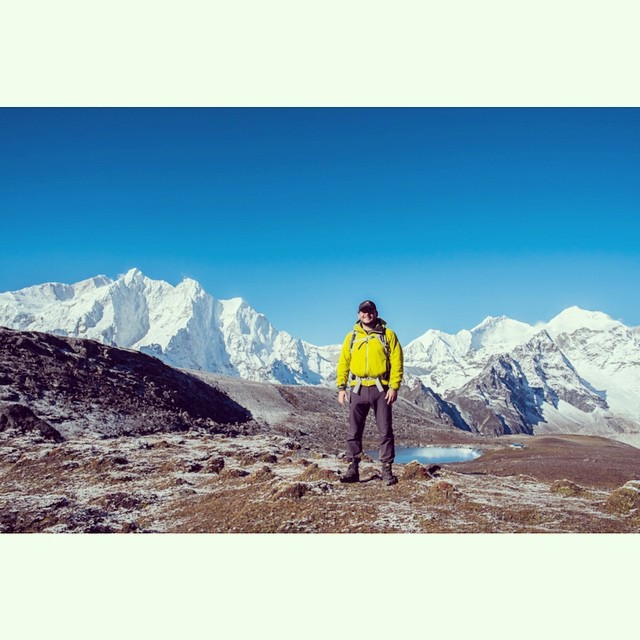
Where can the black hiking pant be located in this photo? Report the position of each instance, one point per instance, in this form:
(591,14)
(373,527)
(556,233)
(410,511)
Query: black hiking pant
(359,406)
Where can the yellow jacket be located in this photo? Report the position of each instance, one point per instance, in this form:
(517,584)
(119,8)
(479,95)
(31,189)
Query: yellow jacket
(367,358)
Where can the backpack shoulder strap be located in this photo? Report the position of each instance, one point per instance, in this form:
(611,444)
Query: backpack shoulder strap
(385,341)
(353,339)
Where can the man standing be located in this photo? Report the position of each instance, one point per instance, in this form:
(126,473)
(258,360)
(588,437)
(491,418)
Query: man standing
(371,365)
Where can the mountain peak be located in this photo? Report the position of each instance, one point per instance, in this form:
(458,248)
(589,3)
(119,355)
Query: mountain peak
(491,321)
(430,335)
(574,318)
(499,332)
(193,286)
(132,275)
(233,305)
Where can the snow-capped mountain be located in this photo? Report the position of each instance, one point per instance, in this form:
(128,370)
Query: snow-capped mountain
(182,325)
(447,362)
(579,372)
(517,391)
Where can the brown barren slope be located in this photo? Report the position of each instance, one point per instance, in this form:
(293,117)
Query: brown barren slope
(587,460)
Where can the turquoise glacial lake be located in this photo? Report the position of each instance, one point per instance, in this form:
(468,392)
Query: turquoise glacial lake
(431,455)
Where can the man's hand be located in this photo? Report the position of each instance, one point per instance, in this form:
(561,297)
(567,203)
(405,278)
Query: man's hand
(342,397)
(392,396)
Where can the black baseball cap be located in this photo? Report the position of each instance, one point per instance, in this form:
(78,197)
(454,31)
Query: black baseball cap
(367,304)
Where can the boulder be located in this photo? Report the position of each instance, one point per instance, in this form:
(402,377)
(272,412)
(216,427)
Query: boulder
(23,420)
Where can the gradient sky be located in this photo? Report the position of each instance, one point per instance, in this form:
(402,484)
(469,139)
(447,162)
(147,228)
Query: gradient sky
(441,216)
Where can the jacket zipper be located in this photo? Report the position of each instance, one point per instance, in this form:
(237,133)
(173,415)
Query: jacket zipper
(366,359)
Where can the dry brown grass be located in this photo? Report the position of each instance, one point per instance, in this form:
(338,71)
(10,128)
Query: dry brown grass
(567,488)
(624,500)
(415,471)
(292,490)
(90,487)
(314,472)
(443,493)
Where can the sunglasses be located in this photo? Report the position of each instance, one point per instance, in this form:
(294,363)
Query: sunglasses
(367,311)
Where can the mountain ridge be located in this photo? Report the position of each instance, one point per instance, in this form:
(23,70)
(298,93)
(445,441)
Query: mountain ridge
(503,375)
(182,325)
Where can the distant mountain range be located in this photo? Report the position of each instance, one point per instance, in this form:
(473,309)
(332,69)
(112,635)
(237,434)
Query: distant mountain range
(183,325)
(578,373)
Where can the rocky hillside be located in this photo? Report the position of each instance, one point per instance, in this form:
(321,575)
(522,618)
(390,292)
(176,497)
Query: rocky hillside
(65,387)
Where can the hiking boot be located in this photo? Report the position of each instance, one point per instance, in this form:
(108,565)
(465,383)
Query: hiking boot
(387,475)
(352,474)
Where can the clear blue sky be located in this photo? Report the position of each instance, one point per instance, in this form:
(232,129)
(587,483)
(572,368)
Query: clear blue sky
(442,216)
